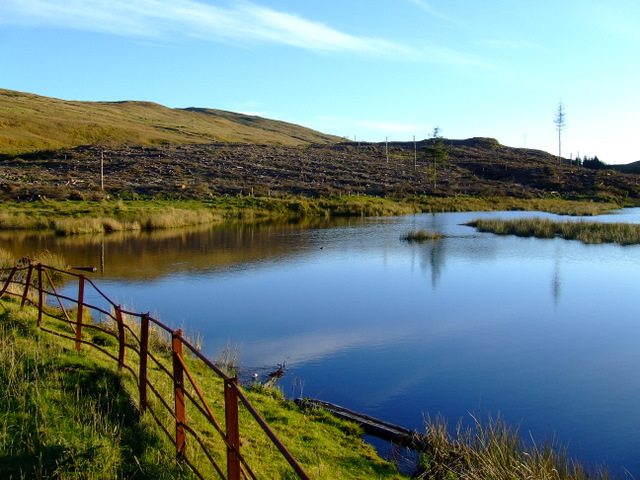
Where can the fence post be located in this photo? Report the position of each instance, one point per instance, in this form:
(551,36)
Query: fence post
(26,286)
(121,338)
(80,312)
(233,429)
(178,385)
(144,351)
(40,294)
(8,282)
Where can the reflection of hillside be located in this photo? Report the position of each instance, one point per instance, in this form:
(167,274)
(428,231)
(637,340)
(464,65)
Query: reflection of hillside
(149,255)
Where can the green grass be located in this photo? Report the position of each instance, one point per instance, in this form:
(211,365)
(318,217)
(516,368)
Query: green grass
(587,232)
(65,415)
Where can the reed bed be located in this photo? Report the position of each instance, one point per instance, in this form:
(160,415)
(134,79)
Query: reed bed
(494,450)
(174,218)
(587,232)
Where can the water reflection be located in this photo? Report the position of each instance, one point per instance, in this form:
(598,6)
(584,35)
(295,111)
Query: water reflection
(147,256)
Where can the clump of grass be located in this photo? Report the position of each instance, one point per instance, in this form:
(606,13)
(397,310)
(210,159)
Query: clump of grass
(493,450)
(587,232)
(421,235)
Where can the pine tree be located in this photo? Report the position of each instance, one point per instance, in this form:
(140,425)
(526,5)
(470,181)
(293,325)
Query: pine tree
(438,153)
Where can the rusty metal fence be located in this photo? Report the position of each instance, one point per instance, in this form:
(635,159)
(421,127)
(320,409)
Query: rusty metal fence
(33,284)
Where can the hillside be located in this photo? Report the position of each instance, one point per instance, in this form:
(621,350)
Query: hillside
(31,123)
(53,149)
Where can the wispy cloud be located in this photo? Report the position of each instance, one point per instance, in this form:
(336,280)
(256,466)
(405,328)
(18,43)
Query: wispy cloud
(241,23)
(429,9)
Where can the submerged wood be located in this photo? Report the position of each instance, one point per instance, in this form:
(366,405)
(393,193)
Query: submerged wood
(372,426)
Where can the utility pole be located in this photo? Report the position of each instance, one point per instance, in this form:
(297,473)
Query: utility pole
(415,154)
(102,169)
(386,148)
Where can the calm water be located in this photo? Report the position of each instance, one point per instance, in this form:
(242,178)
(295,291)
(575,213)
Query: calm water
(544,332)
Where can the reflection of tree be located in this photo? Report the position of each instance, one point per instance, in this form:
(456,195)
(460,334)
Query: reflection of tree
(555,277)
(433,255)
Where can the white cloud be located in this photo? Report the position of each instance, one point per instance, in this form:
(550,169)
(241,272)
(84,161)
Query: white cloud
(243,22)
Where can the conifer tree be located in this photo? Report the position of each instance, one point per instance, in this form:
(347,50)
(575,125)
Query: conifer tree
(438,153)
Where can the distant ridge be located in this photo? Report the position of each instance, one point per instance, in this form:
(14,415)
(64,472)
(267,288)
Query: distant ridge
(31,123)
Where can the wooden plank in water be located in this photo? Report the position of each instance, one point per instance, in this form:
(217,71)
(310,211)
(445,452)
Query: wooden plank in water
(372,426)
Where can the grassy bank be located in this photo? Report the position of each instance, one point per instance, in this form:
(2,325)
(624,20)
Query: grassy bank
(68,415)
(587,232)
(80,217)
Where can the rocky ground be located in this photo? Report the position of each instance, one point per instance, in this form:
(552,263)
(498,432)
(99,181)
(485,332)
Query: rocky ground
(479,167)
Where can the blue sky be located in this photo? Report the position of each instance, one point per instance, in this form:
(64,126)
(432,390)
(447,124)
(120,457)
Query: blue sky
(364,69)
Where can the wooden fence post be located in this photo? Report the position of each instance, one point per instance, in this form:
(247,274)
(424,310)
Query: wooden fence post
(26,286)
(121,338)
(80,311)
(144,352)
(40,295)
(178,384)
(233,429)
(8,282)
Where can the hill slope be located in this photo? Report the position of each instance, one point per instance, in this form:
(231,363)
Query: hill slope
(32,123)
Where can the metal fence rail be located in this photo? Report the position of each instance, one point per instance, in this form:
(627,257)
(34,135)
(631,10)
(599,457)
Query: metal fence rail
(133,332)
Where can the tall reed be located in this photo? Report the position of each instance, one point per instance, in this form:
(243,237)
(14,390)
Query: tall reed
(491,449)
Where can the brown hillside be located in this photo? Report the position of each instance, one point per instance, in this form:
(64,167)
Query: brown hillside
(477,167)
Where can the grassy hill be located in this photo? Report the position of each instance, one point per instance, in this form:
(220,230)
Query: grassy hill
(31,123)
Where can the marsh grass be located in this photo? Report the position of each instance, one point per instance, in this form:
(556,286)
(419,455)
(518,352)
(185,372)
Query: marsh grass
(421,235)
(86,217)
(587,232)
(491,449)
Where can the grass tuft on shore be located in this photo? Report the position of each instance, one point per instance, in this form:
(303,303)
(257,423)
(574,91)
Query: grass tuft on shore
(491,449)
(587,232)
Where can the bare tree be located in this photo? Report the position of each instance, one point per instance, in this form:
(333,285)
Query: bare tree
(560,125)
